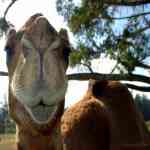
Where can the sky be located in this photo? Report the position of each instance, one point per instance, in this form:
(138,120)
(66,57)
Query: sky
(17,15)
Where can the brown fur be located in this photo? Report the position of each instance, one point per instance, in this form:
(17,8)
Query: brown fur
(127,123)
(85,125)
(106,118)
(134,147)
(31,135)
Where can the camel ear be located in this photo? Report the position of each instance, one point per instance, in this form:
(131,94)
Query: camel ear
(98,87)
(64,35)
(10,43)
(65,40)
(11,38)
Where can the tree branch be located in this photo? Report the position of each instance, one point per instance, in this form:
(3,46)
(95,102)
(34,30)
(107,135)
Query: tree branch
(133,34)
(125,77)
(88,66)
(93,42)
(114,68)
(139,88)
(99,76)
(2,73)
(8,7)
(128,17)
(126,2)
(145,66)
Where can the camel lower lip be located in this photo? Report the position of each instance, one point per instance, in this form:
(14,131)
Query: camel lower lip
(42,114)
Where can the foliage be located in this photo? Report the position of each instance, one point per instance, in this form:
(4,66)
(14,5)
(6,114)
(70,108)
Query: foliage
(93,23)
(3,26)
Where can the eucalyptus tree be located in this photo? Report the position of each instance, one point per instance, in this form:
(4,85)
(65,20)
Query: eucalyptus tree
(117,28)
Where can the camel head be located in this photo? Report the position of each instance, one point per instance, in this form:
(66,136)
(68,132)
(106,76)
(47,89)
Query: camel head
(110,92)
(37,59)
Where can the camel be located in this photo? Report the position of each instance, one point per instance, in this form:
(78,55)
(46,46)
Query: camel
(106,118)
(37,61)
(128,130)
(85,125)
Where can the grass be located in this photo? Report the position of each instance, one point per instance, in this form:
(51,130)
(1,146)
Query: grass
(7,142)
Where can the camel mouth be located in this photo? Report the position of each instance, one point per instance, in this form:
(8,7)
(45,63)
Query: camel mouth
(42,113)
(41,103)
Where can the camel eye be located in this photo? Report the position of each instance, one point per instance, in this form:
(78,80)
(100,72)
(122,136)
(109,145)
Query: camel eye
(66,52)
(10,45)
(9,54)
(25,50)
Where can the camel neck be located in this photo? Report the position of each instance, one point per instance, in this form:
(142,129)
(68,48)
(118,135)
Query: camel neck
(45,137)
(36,141)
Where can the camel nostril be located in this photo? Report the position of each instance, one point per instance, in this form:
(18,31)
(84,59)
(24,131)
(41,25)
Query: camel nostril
(41,103)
